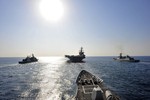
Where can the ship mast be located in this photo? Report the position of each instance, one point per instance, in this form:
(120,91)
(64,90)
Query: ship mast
(81,51)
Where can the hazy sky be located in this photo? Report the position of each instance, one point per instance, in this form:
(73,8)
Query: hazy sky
(102,27)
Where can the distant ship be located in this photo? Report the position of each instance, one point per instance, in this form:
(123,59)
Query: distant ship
(76,58)
(91,87)
(28,59)
(126,58)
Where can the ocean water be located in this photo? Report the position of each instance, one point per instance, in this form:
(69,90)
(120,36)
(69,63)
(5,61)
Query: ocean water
(53,78)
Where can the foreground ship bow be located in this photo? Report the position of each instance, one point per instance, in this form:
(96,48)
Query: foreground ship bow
(91,88)
(76,58)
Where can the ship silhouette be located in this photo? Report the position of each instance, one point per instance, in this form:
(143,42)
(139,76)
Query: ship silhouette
(76,58)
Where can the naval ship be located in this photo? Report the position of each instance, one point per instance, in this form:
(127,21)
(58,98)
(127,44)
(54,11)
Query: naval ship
(76,58)
(126,58)
(28,59)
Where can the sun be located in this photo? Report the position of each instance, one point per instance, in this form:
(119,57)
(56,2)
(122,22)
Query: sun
(51,10)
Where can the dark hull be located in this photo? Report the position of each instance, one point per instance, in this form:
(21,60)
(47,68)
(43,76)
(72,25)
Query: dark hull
(75,58)
(87,83)
(25,62)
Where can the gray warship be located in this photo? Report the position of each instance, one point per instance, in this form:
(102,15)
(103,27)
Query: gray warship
(76,58)
(126,58)
(28,59)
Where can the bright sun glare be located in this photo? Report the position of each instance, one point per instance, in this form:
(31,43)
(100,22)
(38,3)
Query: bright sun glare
(51,10)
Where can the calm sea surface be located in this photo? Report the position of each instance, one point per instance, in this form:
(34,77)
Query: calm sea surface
(52,78)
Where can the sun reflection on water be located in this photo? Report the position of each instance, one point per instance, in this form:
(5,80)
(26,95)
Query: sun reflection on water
(52,78)
(56,60)
(50,75)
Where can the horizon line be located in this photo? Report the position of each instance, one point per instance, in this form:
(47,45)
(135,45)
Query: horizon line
(64,56)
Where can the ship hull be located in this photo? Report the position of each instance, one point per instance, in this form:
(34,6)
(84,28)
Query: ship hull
(25,62)
(126,60)
(75,58)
